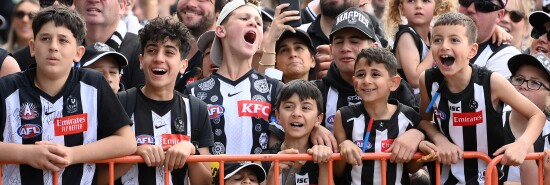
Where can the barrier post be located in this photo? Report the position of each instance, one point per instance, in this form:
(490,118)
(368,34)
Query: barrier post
(111,173)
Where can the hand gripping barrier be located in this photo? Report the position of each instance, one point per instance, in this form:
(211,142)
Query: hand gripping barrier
(493,178)
(276,158)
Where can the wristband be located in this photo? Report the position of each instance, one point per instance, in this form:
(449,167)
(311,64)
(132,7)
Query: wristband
(268,52)
(268,65)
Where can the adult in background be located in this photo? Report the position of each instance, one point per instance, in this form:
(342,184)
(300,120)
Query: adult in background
(515,22)
(21,31)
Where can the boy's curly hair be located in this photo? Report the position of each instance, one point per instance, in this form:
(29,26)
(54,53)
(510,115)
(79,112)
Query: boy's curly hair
(161,29)
(392,15)
(61,15)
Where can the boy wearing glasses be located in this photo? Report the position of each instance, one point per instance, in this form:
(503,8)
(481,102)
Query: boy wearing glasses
(486,14)
(461,105)
(531,78)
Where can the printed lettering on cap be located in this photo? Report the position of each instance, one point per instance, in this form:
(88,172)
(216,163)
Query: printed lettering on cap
(172,139)
(253,108)
(467,119)
(71,124)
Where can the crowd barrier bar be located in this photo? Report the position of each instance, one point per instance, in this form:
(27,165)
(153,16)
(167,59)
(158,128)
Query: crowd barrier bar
(276,158)
(493,177)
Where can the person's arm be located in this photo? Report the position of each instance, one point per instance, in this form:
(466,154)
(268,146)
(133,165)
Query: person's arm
(500,36)
(449,153)
(321,156)
(526,170)
(270,180)
(44,157)
(502,90)
(277,28)
(199,172)
(349,152)
(546,163)
(9,66)
(430,152)
(409,59)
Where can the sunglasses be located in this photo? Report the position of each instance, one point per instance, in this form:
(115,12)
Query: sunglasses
(485,6)
(22,14)
(537,32)
(46,3)
(515,15)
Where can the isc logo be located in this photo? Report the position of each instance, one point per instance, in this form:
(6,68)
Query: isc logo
(27,131)
(145,140)
(215,111)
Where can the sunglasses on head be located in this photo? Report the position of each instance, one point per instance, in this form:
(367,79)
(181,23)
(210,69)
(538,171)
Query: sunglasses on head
(485,6)
(537,32)
(515,15)
(46,3)
(22,14)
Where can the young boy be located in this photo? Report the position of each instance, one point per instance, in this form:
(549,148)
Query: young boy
(531,78)
(298,110)
(237,173)
(169,126)
(53,115)
(372,125)
(107,61)
(465,101)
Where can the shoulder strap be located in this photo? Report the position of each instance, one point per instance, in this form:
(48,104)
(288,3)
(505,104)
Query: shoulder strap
(407,29)
(197,110)
(502,46)
(128,100)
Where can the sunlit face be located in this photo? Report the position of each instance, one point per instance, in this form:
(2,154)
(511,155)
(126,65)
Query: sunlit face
(346,44)
(294,59)
(23,25)
(197,15)
(244,176)
(242,32)
(418,12)
(108,66)
(298,117)
(373,82)
(485,22)
(161,63)
(104,12)
(451,49)
(519,30)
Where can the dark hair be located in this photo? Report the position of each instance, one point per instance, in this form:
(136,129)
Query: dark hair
(380,56)
(304,90)
(161,29)
(61,15)
(458,19)
(218,5)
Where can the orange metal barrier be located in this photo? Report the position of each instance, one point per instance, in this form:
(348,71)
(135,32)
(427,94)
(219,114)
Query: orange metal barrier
(492,177)
(276,158)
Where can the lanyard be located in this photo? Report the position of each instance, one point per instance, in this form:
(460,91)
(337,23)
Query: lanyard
(366,140)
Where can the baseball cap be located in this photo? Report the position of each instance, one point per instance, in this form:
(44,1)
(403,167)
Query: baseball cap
(503,3)
(205,39)
(354,18)
(216,52)
(540,60)
(300,35)
(97,50)
(538,18)
(267,14)
(2,21)
(233,167)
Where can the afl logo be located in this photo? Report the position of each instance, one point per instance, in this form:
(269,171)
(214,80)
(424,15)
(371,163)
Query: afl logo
(145,140)
(330,120)
(27,131)
(359,143)
(215,111)
(439,114)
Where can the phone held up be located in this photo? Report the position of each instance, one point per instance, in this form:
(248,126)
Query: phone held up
(294,5)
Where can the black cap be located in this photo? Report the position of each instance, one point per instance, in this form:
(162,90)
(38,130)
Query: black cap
(233,167)
(267,14)
(540,60)
(98,50)
(538,19)
(354,18)
(300,35)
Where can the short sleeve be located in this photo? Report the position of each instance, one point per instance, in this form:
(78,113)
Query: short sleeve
(206,137)
(111,113)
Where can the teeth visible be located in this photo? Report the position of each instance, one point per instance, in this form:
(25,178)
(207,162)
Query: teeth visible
(296,124)
(540,49)
(159,70)
(445,56)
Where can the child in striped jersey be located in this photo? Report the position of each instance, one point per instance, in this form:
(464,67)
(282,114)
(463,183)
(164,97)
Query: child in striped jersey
(372,125)
(465,101)
(298,110)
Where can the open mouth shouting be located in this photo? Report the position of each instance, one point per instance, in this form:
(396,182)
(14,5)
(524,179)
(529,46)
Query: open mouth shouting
(447,60)
(250,37)
(159,71)
(296,125)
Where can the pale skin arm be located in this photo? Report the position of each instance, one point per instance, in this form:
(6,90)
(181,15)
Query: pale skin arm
(514,153)
(546,163)
(500,35)
(350,152)
(409,59)
(449,153)
(321,155)
(425,147)
(45,157)
(9,66)
(199,173)
(527,169)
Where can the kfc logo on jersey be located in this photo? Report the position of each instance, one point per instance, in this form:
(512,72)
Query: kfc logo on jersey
(253,108)
(28,111)
(215,111)
(27,131)
(386,144)
(468,118)
(145,139)
(173,139)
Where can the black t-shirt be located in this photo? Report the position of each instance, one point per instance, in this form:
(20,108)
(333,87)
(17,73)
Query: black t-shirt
(3,55)
(166,123)
(190,73)
(84,111)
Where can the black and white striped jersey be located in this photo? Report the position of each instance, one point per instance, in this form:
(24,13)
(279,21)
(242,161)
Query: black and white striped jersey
(512,173)
(355,121)
(84,111)
(469,120)
(239,110)
(166,123)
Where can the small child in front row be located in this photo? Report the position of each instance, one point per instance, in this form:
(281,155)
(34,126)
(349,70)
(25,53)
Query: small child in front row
(55,117)
(466,101)
(372,125)
(298,110)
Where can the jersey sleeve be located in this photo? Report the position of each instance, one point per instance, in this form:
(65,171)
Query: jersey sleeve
(205,135)
(111,115)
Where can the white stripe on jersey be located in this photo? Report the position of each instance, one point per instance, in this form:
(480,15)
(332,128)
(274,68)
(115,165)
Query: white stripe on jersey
(239,139)
(50,111)
(10,172)
(331,107)
(161,125)
(377,175)
(481,129)
(88,97)
(483,56)
(357,135)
